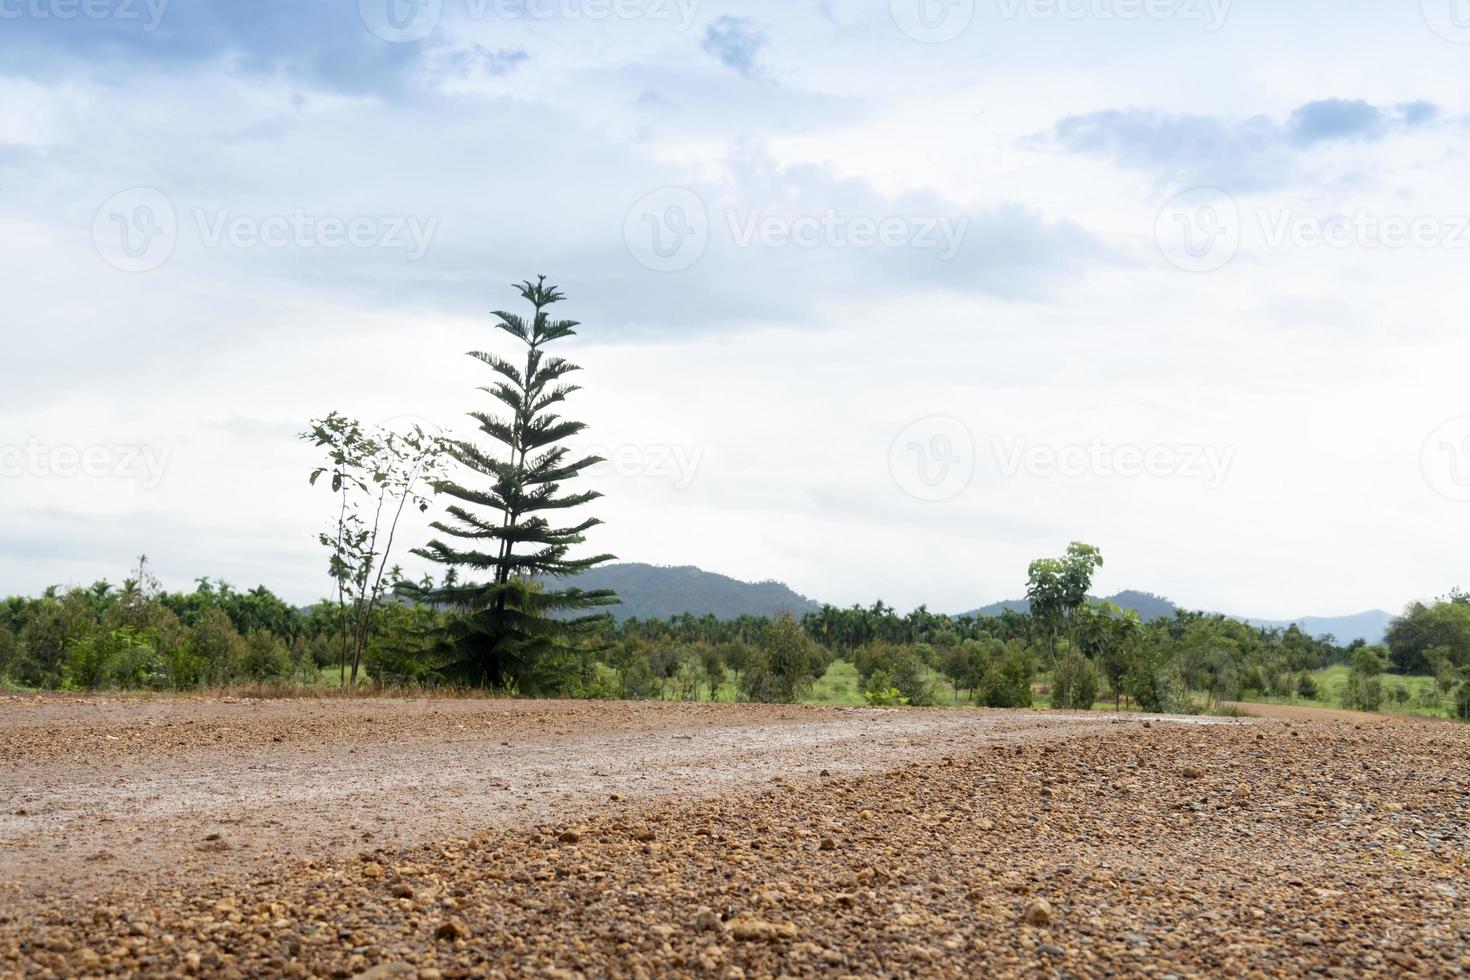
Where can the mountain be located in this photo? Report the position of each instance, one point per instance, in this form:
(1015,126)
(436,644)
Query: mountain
(1146,604)
(1367,626)
(656,591)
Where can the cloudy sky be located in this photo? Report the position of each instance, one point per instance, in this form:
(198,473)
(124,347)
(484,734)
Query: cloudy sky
(879,299)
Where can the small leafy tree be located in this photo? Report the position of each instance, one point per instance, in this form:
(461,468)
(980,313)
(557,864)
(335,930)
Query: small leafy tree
(781,673)
(1364,687)
(1057,587)
(374,476)
(1076,683)
(1007,680)
(713,665)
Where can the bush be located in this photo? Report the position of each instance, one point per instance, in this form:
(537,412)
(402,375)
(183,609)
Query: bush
(265,657)
(1306,686)
(908,677)
(1363,692)
(122,658)
(1462,701)
(1076,683)
(880,691)
(1150,682)
(781,673)
(1007,680)
(9,652)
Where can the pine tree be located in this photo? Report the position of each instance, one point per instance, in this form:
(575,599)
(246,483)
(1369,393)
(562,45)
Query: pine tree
(514,628)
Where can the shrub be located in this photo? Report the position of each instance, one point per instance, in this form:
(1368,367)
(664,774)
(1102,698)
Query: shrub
(1007,680)
(122,658)
(1363,692)
(908,677)
(265,657)
(783,672)
(1364,687)
(1306,686)
(1150,682)
(1462,701)
(1076,683)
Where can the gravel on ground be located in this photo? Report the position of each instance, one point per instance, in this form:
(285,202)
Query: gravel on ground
(1101,847)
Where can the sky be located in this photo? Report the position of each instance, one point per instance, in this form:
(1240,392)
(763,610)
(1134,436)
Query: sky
(879,299)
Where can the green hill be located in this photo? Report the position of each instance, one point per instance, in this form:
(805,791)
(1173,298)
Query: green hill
(656,591)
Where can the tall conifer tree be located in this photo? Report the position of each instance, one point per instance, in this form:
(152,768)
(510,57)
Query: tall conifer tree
(508,616)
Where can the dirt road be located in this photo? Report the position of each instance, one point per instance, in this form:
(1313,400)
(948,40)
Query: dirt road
(462,839)
(108,792)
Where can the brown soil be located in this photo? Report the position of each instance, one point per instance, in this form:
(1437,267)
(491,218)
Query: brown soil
(724,841)
(1295,712)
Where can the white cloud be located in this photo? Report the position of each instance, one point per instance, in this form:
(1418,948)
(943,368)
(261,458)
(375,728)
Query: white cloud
(756,395)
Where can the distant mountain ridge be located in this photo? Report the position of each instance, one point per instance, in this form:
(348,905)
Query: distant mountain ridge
(660,592)
(1368,626)
(663,591)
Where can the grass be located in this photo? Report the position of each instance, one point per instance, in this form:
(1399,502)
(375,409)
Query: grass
(1332,680)
(839,685)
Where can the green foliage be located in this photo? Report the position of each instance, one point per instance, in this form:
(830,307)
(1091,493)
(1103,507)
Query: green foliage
(1007,679)
(712,664)
(265,657)
(1364,688)
(1076,683)
(1151,679)
(1057,587)
(782,672)
(9,652)
(503,631)
(1426,633)
(374,475)
(881,694)
(1306,686)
